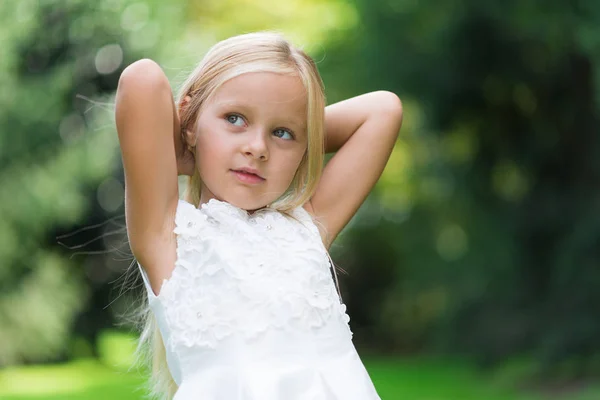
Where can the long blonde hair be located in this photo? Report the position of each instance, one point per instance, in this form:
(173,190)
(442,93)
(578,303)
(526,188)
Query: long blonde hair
(253,52)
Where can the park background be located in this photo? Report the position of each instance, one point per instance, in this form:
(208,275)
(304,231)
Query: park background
(472,268)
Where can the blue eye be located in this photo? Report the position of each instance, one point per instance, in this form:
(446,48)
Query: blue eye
(235,119)
(279,131)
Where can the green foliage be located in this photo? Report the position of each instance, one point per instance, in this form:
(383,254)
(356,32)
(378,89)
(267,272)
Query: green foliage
(496,238)
(55,149)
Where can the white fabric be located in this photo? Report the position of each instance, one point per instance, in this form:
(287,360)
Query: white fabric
(251,311)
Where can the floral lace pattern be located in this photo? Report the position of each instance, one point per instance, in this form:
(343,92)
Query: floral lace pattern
(246,274)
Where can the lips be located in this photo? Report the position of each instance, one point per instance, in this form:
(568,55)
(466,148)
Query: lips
(250,171)
(247,177)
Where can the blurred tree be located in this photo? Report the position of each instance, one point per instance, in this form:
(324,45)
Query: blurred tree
(499,229)
(55,157)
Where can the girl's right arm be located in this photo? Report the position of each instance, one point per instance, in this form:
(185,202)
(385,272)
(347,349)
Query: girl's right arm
(148,130)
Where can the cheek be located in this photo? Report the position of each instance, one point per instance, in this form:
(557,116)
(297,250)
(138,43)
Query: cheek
(210,152)
(290,164)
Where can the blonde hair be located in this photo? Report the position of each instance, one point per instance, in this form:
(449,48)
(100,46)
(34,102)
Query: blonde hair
(253,52)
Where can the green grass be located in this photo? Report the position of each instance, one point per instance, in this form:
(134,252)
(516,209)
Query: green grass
(414,379)
(82,379)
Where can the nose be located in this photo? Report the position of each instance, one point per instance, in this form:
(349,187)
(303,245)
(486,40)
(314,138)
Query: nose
(256,146)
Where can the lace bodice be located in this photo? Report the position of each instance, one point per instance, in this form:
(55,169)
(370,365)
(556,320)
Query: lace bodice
(245,289)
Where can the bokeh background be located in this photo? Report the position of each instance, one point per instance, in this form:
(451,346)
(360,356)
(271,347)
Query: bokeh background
(472,269)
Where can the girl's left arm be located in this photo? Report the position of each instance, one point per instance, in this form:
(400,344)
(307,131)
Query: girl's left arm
(362,131)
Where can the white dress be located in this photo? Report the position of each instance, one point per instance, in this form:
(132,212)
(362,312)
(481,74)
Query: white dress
(251,311)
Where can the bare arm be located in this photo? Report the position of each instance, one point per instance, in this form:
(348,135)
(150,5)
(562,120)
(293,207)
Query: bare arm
(363,131)
(148,128)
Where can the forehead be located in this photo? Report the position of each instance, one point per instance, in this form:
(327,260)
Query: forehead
(267,93)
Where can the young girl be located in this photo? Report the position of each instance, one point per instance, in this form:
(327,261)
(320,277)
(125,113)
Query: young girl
(242,303)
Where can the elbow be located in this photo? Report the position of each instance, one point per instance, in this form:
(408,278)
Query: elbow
(389,103)
(144,79)
(390,106)
(142,73)
(143,66)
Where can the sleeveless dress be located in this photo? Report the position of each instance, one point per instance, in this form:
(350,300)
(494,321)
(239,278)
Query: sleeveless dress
(251,311)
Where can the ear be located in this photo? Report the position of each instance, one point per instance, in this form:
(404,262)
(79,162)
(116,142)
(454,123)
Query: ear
(190,139)
(189,136)
(184,103)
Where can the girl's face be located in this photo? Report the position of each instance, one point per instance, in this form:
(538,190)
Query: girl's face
(255,121)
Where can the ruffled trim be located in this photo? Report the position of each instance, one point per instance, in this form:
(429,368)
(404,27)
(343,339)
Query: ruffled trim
(245,274)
